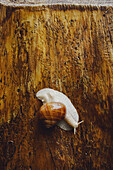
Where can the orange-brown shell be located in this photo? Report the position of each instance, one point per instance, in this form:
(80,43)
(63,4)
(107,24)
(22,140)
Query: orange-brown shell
(51,113)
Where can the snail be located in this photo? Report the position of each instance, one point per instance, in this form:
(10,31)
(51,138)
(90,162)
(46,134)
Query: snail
(51,113)
(71,117)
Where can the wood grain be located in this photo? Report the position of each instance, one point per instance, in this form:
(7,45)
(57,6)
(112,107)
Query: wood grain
(55,2)
(68,48)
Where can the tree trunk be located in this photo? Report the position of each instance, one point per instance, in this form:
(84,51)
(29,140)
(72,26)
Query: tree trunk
(68,48)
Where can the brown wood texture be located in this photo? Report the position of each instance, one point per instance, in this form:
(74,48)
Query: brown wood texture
(67,48)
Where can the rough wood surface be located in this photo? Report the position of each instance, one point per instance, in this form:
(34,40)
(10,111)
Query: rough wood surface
(54,2)
(67,48)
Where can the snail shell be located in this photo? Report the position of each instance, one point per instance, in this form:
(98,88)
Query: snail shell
(71,118)
(51,113)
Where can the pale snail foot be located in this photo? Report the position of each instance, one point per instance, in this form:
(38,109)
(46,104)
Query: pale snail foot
(64,125)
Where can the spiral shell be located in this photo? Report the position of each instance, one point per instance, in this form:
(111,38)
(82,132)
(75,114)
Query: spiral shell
(52,112)
(71,119)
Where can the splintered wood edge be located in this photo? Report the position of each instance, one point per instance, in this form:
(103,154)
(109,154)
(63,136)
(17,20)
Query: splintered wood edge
(39,3)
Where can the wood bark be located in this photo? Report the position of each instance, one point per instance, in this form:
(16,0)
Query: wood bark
(68,48)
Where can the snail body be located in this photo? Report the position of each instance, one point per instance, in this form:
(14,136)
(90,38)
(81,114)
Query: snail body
(71,118)
(52,112)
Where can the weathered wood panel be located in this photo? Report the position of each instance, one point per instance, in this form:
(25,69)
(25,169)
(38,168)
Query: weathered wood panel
(67,48)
